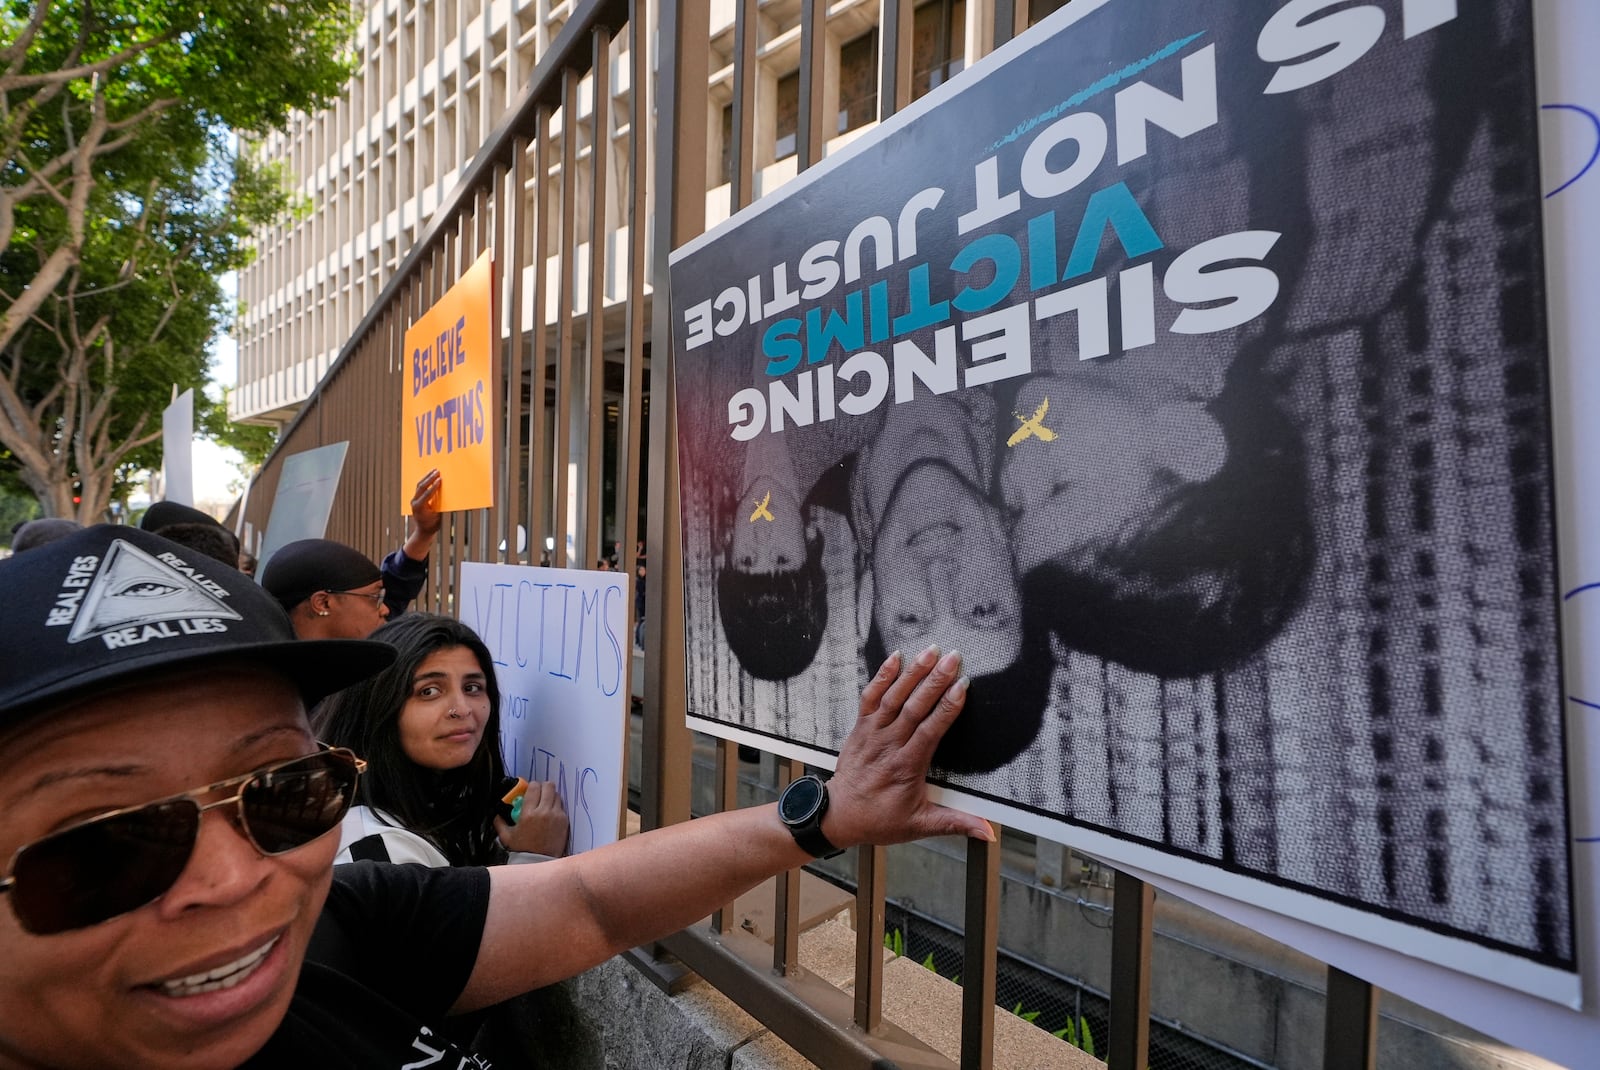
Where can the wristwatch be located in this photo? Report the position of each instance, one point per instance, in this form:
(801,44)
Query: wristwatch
(801,807)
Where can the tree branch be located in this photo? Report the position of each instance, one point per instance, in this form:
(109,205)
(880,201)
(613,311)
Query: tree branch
(15,54)
(10,81)
(66,255)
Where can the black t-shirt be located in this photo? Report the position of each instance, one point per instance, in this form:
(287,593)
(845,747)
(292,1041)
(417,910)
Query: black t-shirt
(392,950)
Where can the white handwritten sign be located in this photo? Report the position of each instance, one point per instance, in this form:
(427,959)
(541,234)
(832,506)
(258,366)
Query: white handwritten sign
(561,650)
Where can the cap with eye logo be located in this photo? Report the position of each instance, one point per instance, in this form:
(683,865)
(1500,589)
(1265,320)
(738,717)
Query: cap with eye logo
(110,602)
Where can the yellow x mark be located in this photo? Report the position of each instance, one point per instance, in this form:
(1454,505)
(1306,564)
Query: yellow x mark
(1032,426)
(762,512)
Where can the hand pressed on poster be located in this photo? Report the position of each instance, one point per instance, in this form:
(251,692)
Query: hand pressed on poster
(877,793)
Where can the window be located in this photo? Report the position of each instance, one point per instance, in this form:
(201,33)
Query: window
(858,81)
(938,44)
(788,116)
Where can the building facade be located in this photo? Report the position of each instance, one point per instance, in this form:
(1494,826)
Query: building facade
(433,77)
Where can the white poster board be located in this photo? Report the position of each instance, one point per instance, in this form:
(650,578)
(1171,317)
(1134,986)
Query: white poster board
(1569,93)
(177,449)
(304,499)
(561,649)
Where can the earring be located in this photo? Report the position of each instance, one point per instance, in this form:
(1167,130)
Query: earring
(322,612)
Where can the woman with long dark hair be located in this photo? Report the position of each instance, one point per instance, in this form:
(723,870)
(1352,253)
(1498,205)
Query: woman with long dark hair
(429,729)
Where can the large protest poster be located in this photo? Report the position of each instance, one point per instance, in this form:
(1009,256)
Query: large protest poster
(1185,366)
(447,393)
(562,652)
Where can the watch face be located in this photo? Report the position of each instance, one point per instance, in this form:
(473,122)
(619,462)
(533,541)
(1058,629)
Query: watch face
(799,800)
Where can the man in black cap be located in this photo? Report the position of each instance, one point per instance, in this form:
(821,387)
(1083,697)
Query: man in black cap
(190,527)
(170,899)
(331,591)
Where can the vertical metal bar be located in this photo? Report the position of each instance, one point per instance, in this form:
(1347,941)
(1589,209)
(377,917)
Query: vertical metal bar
(1133,908)
(680,214)
(511,221)
(1022,18)
(811,134)
(745,31)
(786,904)
(456,523)
(1350,1036)
(871,887)
(486,529)
(419,298)
(727,791)
(894,57)
(630,419)
(1005,14)
(568,283)
(593,530)
(440,558)
(978,954)
(539,474)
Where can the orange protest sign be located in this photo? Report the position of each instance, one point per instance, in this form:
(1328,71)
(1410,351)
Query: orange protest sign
(448,391)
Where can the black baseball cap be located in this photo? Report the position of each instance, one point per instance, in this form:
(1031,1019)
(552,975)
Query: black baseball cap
(300,569)
(165,514)
(109,603)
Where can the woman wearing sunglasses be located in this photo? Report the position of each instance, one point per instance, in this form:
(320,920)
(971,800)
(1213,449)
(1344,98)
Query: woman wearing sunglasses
(429,729)
(166,858)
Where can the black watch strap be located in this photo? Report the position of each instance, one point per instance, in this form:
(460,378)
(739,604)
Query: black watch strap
(807,829)
(814,843)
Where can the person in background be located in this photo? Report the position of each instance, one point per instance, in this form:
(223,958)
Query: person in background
(170,898)
(937,566)
(332,591)
(190,527)
(32,533)
(247,563)
(429,728)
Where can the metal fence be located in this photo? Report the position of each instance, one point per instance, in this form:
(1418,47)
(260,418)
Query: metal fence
(574,355)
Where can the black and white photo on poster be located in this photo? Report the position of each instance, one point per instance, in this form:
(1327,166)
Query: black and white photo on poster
(1184,367)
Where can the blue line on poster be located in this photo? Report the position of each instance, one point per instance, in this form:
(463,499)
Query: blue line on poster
(1593,156)
(1096,88)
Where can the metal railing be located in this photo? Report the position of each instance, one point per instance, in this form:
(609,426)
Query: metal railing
(519,198)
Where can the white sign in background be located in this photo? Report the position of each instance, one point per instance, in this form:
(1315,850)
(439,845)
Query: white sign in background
(177,450)
(562,650)
(1569,94)
(307,484)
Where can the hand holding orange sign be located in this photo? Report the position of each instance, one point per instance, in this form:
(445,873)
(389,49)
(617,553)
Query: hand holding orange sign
(448,396)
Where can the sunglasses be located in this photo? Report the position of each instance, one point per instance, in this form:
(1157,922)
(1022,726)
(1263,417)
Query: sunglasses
(375,597)
(119,861)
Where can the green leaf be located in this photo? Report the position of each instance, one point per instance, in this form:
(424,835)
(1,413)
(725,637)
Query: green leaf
(171,205)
